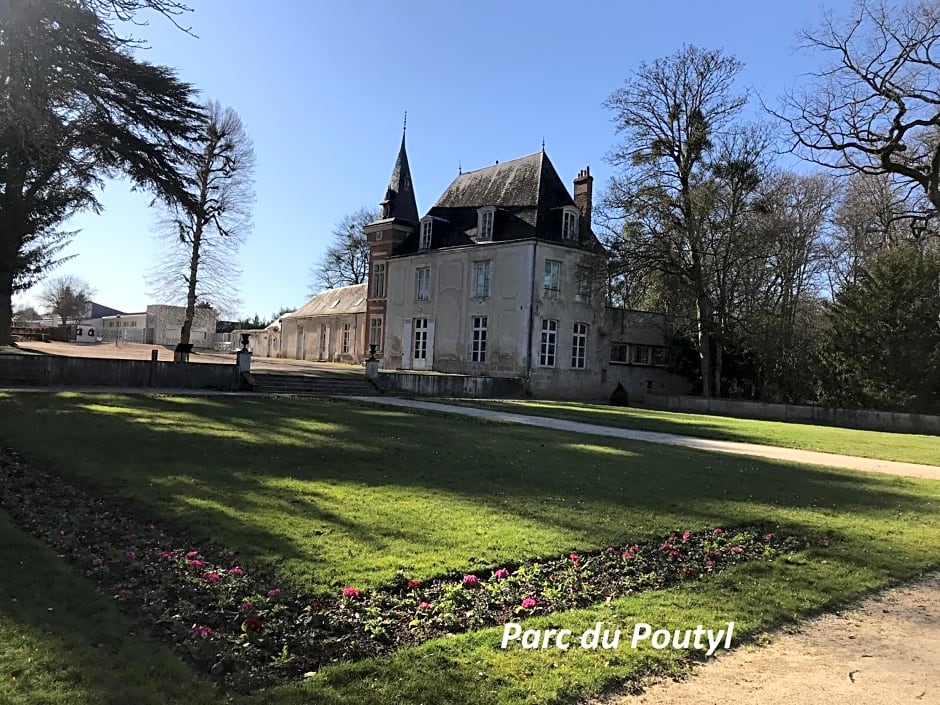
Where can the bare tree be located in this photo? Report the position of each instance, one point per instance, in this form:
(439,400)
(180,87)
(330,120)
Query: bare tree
(876,108)
(204,236)
(672,114)
(346,260)
(65,296)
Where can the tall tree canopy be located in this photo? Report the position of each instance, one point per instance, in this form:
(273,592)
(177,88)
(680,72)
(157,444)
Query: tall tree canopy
(66,297)
(76,106)
(346,260)
(875,108)
(686,175)
(206,231)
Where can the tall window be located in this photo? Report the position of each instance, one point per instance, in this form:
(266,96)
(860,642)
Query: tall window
(423,284)
(481,280)
(552,279)
(485,224)
(583,291)
(375,332)
(420,348)
(346,329)
(569,223)
(579,346)
(478,339)
(549,343)
(425,241)
(378,280)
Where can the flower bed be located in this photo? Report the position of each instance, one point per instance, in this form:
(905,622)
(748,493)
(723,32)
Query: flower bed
(239,625)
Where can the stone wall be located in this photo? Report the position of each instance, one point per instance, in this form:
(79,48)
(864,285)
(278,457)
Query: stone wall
(866,419)
(52,371)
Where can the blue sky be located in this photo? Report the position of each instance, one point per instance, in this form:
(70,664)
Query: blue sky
(322,87)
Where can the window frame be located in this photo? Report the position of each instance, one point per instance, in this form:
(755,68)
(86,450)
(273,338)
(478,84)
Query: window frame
(378,278)
(570,214)
(425,274)
(478,335)
(485,265)
(579,338)
(372,331)
(427,230)
(548,291)
(346,330)
(583,292)
(486,218)
(548,345)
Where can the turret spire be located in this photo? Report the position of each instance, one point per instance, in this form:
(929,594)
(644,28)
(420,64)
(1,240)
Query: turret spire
(400,197)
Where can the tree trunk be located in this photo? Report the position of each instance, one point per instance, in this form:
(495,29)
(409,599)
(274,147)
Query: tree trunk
(719,358)
(705,344)
(186,330)
(6,307)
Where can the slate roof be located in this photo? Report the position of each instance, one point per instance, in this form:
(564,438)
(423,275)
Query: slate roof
(332,302)
(400,196)
(528,196)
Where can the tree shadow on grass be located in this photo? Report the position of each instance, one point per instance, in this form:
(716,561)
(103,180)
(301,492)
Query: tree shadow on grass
(64,643)
(290,468)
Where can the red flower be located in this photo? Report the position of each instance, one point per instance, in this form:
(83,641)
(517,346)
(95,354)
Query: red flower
(196,563)
(246,605)
(212,576)
(686,535)
(528,603)
(717,531)
(412,584)
(350,592)
(236,571)
(253,624)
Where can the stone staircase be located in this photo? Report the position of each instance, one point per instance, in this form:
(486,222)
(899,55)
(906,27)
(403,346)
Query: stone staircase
(319,385)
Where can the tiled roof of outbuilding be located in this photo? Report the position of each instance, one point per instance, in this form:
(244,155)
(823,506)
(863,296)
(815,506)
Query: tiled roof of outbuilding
(332,302)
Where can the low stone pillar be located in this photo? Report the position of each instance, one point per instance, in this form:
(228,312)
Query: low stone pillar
(243,360)
(372,369)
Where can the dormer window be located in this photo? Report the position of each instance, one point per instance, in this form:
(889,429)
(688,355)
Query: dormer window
(485,217)
(569,223)
(425,240)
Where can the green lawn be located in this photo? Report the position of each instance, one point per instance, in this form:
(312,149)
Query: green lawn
(331,494)
(905,447)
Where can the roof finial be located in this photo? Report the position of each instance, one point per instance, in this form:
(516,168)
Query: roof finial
(459,168)
(404,127)
(543,144)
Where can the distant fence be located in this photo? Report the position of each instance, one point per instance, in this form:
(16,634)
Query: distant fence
(435,385)
(54,371)
(865,419)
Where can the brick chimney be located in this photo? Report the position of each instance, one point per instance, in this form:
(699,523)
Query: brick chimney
(583,192)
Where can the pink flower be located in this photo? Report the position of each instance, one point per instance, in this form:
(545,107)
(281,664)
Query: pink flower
(574,558)
(131,556)
(351,592)
(686,535)
(528,603)
(425,605)
(634,549)
(768,538)
(165,555)
(470,581)
(717,530)
(627,556)
(246,605)
(500,573)
(212,576)
(274,592)
(192,554)
(710,564)
(236,571)
(196,563)
(674,554)
(202,631)
(97,562)
(736,550)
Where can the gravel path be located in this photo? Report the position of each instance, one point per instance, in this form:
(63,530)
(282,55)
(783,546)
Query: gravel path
(882,653)
(808,457)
